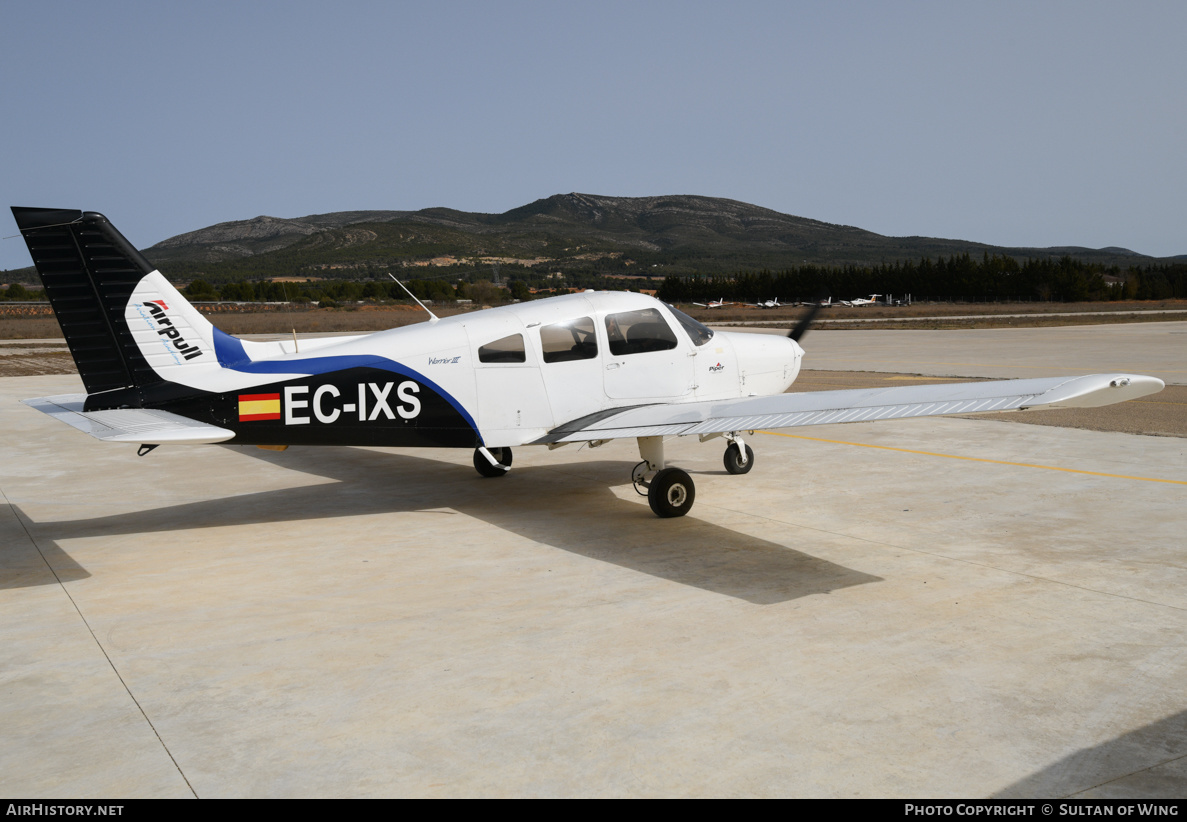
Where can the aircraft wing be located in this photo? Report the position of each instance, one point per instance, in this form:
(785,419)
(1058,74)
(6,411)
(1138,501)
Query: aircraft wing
(854,405)
(142,425)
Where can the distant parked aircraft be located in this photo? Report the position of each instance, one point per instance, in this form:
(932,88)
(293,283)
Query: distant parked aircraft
(852,303)
(769,303)
(714,303)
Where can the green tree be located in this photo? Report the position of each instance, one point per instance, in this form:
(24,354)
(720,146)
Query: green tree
(201,291)
(16,291)
(519,290)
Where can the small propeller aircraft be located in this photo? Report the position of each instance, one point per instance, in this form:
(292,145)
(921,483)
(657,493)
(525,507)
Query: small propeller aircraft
(714,303)
(581,368)
(858,302)
(769,303)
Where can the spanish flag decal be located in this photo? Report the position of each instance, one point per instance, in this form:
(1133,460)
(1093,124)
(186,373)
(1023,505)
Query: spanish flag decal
(254,407)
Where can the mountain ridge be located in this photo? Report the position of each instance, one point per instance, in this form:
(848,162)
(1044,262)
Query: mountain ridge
(678,233)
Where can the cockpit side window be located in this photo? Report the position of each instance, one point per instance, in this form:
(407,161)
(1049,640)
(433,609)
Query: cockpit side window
(507,349)
(570,340)
(638,332)
(700,334)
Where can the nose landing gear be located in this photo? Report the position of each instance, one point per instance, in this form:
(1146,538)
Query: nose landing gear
(739,457)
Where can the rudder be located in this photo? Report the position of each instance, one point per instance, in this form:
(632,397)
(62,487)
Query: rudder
(89,270)
(125,325)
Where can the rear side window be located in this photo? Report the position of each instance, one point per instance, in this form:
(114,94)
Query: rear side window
(637,332)
(508,349)
(571,340)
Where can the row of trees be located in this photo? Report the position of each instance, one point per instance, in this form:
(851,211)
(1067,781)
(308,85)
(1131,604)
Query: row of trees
(958,277)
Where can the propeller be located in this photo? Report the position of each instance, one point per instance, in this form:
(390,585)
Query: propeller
(805,323)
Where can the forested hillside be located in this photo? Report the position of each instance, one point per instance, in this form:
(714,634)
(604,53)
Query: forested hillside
(697,247)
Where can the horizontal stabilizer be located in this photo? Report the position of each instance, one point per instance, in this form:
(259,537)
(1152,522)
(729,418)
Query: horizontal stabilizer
(855,405)
(140,425)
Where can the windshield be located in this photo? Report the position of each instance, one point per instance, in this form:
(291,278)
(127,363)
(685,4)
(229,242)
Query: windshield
(699,333)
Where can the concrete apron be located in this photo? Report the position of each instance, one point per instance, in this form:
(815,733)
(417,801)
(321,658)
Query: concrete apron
(842,621)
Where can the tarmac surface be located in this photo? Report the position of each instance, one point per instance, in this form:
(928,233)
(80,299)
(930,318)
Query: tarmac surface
(919,608)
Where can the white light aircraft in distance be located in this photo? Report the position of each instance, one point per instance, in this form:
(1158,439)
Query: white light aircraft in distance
(852,303)
(714,303)
(769,303)
(581,368)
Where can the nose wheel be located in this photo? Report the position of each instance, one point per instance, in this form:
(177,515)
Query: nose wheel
(739,458)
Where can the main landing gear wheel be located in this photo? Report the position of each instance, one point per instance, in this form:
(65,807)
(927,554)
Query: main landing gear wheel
(671,493)
(733,459)
(482,464)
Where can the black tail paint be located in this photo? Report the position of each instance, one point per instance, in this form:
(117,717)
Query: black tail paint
(89,271)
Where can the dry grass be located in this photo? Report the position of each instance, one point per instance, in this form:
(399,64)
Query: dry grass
(989,315)
(30,322)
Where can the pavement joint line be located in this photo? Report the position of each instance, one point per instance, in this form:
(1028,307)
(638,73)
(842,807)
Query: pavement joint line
(102,650)
(977,459)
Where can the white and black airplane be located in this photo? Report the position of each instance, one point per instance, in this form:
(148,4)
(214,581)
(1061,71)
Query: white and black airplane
(581,368)
(769,303)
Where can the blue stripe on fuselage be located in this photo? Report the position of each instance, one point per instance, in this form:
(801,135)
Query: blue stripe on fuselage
(230,353)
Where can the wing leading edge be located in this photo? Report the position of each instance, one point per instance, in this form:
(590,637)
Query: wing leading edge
(854,405)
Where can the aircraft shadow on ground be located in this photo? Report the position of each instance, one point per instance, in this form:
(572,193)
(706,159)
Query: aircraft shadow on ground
(1131,760)
(23,565)
(569,507)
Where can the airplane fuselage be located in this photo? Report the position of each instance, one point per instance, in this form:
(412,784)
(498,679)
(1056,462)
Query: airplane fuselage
(499,377)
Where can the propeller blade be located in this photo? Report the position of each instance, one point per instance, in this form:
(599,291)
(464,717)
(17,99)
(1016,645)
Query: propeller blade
(804,324)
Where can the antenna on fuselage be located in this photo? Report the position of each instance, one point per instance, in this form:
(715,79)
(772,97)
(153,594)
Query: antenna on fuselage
(413,296)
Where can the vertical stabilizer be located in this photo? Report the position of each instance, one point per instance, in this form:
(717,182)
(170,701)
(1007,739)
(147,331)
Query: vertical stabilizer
(89,271)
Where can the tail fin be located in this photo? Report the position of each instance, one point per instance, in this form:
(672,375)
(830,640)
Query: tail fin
(125,325)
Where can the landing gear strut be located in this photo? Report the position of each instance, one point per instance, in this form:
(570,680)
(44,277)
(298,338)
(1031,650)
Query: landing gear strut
(492,462)
(670,491)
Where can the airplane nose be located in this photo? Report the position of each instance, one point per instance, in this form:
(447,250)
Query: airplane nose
(768,362)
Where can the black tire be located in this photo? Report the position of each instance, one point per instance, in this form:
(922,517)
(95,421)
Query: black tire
(733,459)
(483,466)
(671,493)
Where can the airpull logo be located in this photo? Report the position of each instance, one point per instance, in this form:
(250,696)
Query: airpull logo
(157,308)
(299,408)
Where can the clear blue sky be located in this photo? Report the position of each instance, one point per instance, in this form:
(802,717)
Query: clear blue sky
(1025,124)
